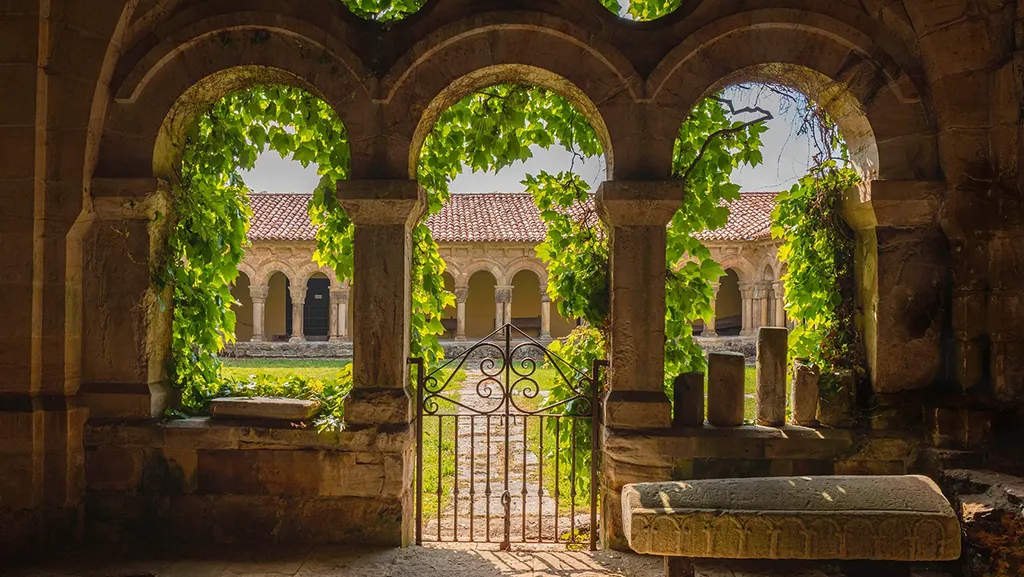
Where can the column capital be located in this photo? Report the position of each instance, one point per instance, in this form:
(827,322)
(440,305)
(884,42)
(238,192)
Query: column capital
(339,295)
(714,289)
(639,202)
(503,293)
(382,202)
(461,294)
(258,293)
(545,297)
(298,295)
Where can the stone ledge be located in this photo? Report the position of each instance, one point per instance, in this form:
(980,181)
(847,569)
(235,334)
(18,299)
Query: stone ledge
(270,408)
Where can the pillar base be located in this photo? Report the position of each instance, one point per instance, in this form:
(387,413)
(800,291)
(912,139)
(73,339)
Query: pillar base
(460,338)
(709,334)
(637,410)
(256,339)
(297,340)
(546,337)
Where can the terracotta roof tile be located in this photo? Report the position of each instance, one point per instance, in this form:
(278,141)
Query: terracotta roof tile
(750,218)
(489,217)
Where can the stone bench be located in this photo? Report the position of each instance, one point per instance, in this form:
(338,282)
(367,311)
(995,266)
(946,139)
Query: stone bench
(877,518)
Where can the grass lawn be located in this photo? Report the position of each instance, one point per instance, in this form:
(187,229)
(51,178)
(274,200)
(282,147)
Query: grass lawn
(241,369)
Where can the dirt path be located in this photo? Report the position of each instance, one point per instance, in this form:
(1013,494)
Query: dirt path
(475,512)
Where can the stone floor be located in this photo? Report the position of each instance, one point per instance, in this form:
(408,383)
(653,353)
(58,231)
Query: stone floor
(339,561)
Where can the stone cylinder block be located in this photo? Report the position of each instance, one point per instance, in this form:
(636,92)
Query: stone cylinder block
(804,394)
(688,398)
(725,389)
(772,348)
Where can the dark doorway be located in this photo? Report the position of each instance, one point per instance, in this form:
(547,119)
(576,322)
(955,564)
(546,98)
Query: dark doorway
(316,320)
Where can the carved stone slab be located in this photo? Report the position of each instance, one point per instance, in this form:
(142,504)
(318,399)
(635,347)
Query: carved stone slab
(885,518)
(275,408)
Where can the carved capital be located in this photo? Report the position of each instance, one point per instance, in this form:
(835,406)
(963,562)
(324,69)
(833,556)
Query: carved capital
(382,202)
(545,297)
(461,294)
(298,295)
(502,294)
(258,293)
(639,202)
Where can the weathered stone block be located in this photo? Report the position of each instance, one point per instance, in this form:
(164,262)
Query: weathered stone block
(804,393)
(229,472)
(200,433)
(289,473)
(725,389)
(114,469)
(991,508)
(897,518)
(272,408)
(772,349)
(688,403)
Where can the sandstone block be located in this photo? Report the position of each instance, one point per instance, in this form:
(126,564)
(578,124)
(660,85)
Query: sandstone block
(272,408)
(688,392)
(886,518)
(772,349)
(725,389)
(804,393)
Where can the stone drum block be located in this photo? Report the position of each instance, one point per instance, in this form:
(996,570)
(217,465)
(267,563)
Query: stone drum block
(725,389)
(772,348)
(273,408)
(880,518)
(688,398)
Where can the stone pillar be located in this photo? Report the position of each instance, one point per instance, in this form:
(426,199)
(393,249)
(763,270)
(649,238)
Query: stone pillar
(545,316)
(763,294)
(502,305)
(709,324)
(636,214)
(772,348)
(747,309)
(258,293)
(383,212)
(803,401)
(725,388)
(461,294)
(779,292)
(343,314)
(298,295)
(336,318)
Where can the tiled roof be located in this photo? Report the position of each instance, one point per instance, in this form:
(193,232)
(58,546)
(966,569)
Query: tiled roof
(280,216)
(489,217)
(750,218)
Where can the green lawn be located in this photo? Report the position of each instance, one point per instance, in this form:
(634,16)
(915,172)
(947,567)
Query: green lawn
(279,368)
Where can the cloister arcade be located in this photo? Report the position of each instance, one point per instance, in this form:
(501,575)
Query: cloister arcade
(928,96)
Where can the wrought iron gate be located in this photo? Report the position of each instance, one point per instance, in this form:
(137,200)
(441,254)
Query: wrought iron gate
(494,446)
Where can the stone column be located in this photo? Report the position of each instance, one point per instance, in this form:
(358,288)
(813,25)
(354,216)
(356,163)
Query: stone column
(545,316)
(780,304)
(298,295)
(636,214)
(336,318)
(772,349)
(763,293)
(709,324)
(258,294)
(343,314)
(747,310)
(502,305)
(378,412)
(461,294)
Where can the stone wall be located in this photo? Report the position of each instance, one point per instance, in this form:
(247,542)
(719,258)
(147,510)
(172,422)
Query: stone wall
(204,481)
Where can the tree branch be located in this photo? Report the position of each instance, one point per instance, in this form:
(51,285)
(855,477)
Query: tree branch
(724,131)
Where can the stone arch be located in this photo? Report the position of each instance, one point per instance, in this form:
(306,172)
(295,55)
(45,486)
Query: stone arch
(866,79)
(267,269)
(488,49)
(471,268)
(527,263)
(245,268)
(160,88)
(741,265)
(304,273)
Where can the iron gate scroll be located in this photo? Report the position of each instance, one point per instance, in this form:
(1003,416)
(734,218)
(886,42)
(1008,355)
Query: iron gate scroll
(482,445)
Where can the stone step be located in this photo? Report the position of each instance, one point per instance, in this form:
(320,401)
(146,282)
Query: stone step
(760,568)
(259,408)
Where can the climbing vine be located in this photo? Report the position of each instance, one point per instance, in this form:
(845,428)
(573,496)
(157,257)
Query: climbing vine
(818,249)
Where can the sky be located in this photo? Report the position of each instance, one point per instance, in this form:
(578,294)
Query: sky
(786,158)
